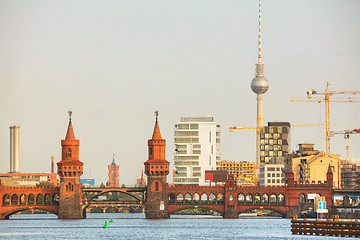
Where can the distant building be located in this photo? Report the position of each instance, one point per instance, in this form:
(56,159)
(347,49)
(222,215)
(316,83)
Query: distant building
(244,172)
(274,141)
(28,179)
(141,182)
(196,149)
(272,175)
(87,181)
(312,165)
(113,175)
(350,174)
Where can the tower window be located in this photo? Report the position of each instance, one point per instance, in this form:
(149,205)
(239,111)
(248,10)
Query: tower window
(156,186)
(69,187)
(69,152)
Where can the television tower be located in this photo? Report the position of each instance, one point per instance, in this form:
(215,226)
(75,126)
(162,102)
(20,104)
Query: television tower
(259,85)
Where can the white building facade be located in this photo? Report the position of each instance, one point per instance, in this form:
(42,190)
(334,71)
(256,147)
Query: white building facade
(272,175)
(196,149)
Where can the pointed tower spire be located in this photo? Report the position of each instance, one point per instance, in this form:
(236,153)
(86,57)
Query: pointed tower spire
(70,132)
(329,169)
(156,134)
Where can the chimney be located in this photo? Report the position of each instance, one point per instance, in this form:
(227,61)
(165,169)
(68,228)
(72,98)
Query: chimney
(14,149)
(52,164)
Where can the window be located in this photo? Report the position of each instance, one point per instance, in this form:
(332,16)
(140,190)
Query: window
(186,157)
(186,133)
(269,174)
(210,160)
(186,140)
(183,126)
(194,126)
(69,152)
(69,187)
(273,175)
(278,169)
(278,181)
(278,175)
(273,181)
(156,186)
(269,181)
(271,169)
(209,137)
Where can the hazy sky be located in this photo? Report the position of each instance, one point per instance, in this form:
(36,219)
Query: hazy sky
(115,62)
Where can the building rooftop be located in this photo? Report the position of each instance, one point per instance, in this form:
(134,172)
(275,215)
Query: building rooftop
(196,119)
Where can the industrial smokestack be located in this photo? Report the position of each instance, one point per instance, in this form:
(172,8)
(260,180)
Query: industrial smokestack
(52,164)
(14,149)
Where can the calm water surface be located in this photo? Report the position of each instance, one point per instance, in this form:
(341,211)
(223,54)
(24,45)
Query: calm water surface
(135,226)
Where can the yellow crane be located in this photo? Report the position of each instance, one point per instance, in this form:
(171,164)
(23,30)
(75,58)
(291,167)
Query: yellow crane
(293,125)
(327,98)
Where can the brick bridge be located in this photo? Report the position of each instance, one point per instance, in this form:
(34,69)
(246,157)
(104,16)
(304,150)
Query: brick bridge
(230,200)
(69,200)
(17,199)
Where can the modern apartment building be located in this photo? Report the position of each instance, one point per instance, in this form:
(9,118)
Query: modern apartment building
(274,141)
(244,172)
(272,175)
(196,149)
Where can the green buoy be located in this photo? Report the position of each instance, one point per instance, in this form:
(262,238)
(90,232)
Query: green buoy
(111,220)
(105,225)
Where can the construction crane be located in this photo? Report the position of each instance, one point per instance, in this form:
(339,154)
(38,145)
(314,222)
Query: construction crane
(328,97)
(347,139)
(293,125)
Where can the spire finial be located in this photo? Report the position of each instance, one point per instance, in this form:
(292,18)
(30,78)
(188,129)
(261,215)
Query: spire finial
(157,114)
(70,113)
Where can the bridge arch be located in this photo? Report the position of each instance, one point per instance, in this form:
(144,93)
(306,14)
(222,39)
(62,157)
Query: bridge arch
(111,191)
(282,213)
(31,199)
(14,199)
(7,214)
(6,199)
(39,199)
(88,204)
(180,208)
(22,199)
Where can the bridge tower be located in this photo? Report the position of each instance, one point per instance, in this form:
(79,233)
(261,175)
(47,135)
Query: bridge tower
(70,169)
(156,169)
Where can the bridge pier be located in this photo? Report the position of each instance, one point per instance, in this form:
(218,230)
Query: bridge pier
(231,214)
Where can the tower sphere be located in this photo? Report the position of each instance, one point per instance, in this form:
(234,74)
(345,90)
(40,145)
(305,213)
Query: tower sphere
(259,85)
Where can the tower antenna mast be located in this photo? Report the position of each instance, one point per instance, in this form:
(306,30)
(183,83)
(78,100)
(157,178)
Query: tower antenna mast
(259,51)
(259,85)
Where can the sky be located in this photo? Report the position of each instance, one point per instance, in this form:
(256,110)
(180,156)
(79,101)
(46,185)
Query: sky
(114,63)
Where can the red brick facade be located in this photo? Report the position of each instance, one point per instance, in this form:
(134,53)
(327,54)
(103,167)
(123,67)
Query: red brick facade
(113,175)
(156,169)
(70,169)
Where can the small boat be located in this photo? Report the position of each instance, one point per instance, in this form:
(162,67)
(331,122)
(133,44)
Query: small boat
(248,215)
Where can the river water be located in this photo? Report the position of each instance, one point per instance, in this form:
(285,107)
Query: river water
(135,226)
